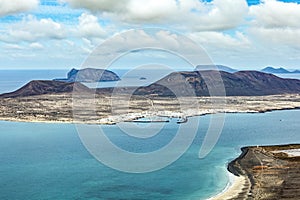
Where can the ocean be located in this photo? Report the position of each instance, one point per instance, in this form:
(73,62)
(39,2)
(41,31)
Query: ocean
(48,161)
(11,80)
(292,76)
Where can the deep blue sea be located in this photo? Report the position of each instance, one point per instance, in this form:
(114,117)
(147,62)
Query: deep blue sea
(48,161)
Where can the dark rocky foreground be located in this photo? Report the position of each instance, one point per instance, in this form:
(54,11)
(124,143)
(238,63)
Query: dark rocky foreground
(272,174)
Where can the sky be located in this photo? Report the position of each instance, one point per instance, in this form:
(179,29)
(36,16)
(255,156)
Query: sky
(61,34)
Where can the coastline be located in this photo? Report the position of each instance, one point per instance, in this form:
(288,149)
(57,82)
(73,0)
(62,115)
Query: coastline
(235,186)
(240,183)
(58,108)
(239,186)
(136,118)
(258,170)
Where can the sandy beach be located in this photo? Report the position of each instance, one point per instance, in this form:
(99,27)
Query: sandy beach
(268,172)
(236,185)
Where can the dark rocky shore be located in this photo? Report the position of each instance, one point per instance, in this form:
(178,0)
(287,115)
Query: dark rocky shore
(272,173)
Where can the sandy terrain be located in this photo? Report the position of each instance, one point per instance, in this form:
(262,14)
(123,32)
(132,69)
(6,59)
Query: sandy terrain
(273,174)
(104,109)
(289,152)
(239,184)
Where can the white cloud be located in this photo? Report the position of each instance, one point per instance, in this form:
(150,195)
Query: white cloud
(99,5)
(235,49)
(277,37)
(13,47)
(15,6)
(32,46)
(31,29)
(36,46)
(168,39)
(276,14)
(264,33)
(89,26)
(149,11)
(220,41)
(217,15)
(276,24)
(147,39)
(194,14)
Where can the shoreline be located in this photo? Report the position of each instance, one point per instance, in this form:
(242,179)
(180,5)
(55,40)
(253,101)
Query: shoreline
(241,181)
(232,189)
(137,116)
(237,184)
(101,110)
(258,170)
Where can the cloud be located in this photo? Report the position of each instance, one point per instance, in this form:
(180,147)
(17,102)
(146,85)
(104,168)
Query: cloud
(135,39)
(31,29)
(193,14)
(230,31)
(15,6)
(234,49)
(145,42)
(277,37)
(217,15)
(36,46)
(220,41)
(276,14)
(99,5)
(276,23)
(89,26)
(13,47)
(149,11)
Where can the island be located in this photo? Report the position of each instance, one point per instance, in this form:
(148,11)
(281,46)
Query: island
(280,70)
(218,67)
(246,92)
(89,75)
(262,172)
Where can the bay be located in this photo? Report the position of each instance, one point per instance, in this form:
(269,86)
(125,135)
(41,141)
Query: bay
(48,161)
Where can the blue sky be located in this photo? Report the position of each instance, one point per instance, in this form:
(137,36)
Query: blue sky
(60,34)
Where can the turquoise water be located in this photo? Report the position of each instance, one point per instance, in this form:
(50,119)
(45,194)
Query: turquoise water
(47,161)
